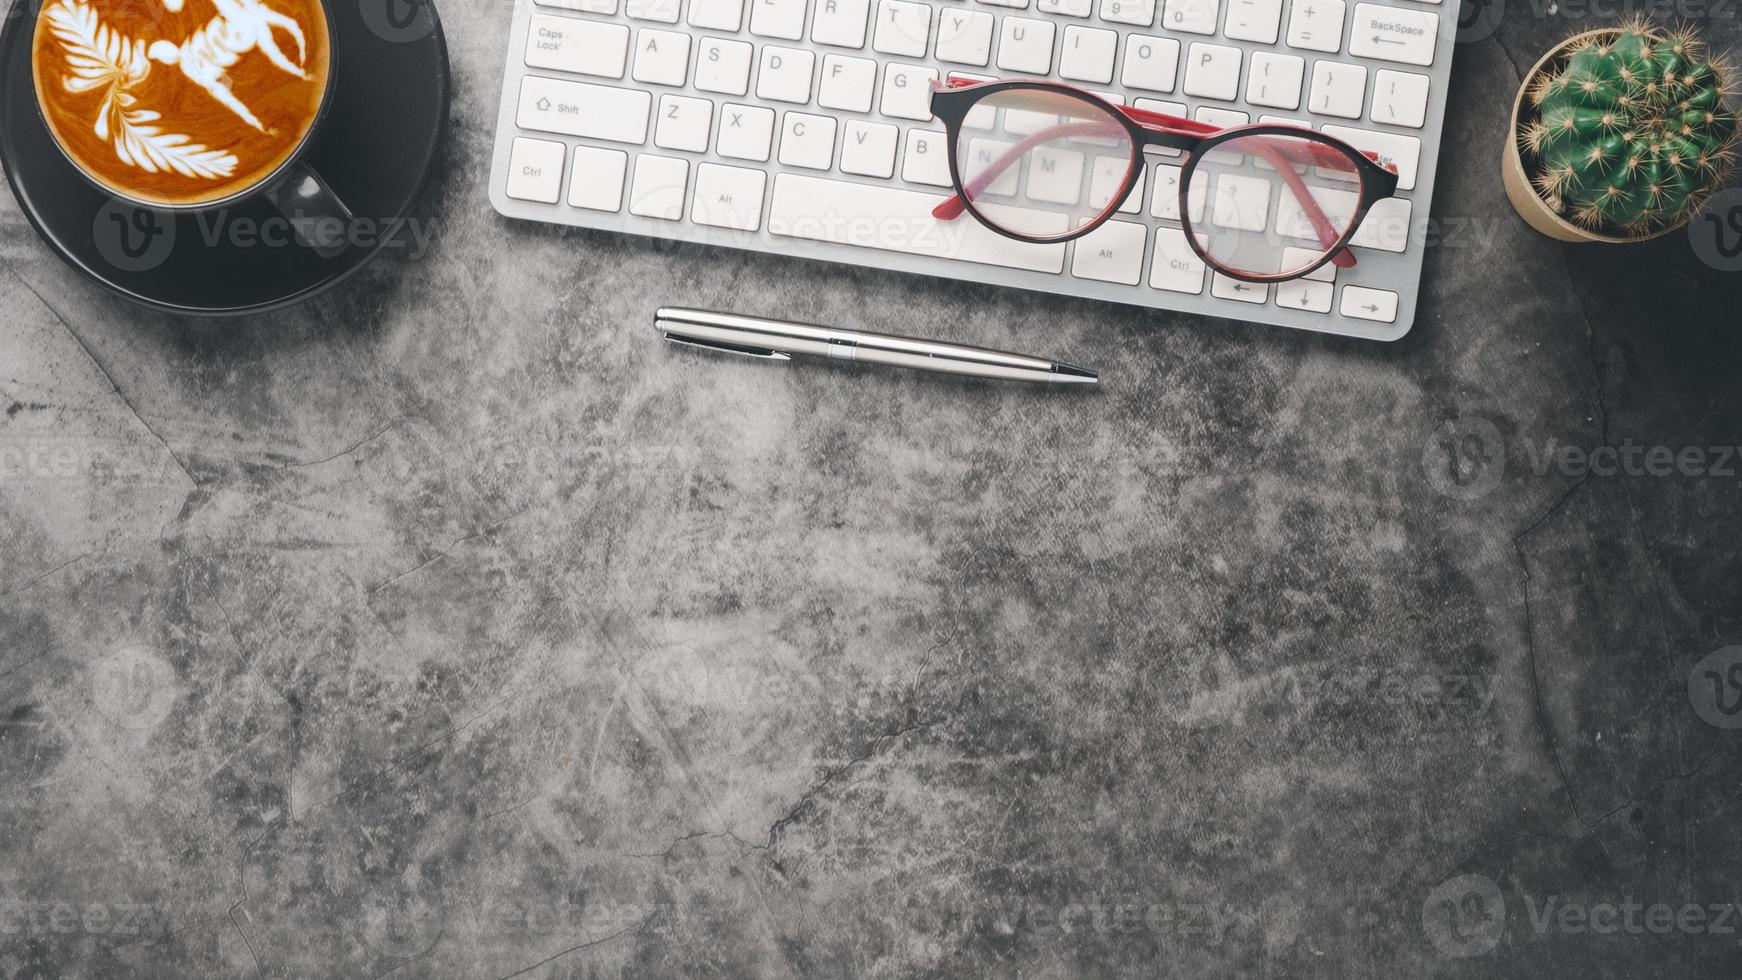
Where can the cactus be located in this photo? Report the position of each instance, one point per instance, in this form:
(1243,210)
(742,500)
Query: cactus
(1631,133)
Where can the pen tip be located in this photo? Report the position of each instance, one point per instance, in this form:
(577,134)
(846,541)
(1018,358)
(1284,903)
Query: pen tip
(1074,375)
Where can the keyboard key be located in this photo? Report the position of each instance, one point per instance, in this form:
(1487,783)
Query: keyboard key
(1227,287)
(728,197)
(782,19)
(746,132)
(903,28)
(1111,253)
(1274,80)
(1386,226)
(596,182)
(1392,148)
(926,159)
(1225,118)
(965,37)
(1088,55)
(1363,303)
(717,15)
(1241,203)
(907,92)
(1150,62)
(847,83)
(583,109)
(658,189)
(892,219)
(1253,20)
(1055,175)
(582,46)
(684,123)
(661,57)
(1066,8)
(807,141)
(606,7)
(1294,258)
(723,66)
(868,149)
(1164,203)
(535,170)
(1107,177)
(1212,71)
(1025,45)
(982,152)
(1338,90)
(1305,294)
(785,75)
(1191,16)
(1292,220)
(664,11)
(1174,266)
(1019,4)
(840,23)
(1316,25)
(1140,13)
(1175,109)
(1399,98)
(1394,34)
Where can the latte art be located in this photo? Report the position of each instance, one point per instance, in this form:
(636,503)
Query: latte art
(180,101)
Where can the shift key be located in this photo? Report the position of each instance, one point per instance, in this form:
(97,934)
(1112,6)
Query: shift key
(583,109)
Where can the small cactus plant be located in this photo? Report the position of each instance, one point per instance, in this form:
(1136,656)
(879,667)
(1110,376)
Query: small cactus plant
(1631,134)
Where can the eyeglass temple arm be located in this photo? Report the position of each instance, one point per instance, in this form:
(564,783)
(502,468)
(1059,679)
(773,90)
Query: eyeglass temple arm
(952,207)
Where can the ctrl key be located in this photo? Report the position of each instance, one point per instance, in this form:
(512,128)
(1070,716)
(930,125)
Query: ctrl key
(535,170)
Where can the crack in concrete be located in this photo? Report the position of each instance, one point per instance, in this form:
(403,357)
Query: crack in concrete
(1544,725)
(1511,844)
(27,586)
(444,552)
(359,444)
(644,923)
(810,795)
(107,376)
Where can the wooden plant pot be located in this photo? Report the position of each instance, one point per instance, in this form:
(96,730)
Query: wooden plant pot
(1529,205)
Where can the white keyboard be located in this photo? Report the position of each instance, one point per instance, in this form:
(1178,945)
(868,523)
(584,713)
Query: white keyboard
(804,128)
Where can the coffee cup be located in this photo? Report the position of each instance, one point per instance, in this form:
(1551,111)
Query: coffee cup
(188,105)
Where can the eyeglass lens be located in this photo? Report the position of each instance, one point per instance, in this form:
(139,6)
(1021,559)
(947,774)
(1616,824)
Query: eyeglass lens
(1042,164)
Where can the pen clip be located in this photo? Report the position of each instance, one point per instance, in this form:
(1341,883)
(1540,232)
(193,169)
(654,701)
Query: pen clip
(716,345)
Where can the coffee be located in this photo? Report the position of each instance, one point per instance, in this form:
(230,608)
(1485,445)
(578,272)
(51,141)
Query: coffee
(181,102)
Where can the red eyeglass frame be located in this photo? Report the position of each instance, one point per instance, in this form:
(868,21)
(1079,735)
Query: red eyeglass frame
(953,98)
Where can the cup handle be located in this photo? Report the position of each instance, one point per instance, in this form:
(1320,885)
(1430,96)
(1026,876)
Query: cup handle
(320,220)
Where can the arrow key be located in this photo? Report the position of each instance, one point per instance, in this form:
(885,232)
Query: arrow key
(1379,305)
(1227,287)
(1305,294)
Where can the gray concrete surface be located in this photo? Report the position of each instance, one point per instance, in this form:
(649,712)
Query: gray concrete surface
(451,626)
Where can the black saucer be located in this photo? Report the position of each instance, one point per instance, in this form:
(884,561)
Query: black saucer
(376,151)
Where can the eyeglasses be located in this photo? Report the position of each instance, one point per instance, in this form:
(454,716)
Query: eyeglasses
(1043,162)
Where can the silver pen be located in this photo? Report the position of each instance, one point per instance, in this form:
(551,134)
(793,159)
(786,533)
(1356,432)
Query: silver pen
(779,340)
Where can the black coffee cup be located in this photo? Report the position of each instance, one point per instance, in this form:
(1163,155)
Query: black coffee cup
(345,195)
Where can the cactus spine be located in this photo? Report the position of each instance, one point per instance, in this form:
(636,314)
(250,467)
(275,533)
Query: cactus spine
(1631,134)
